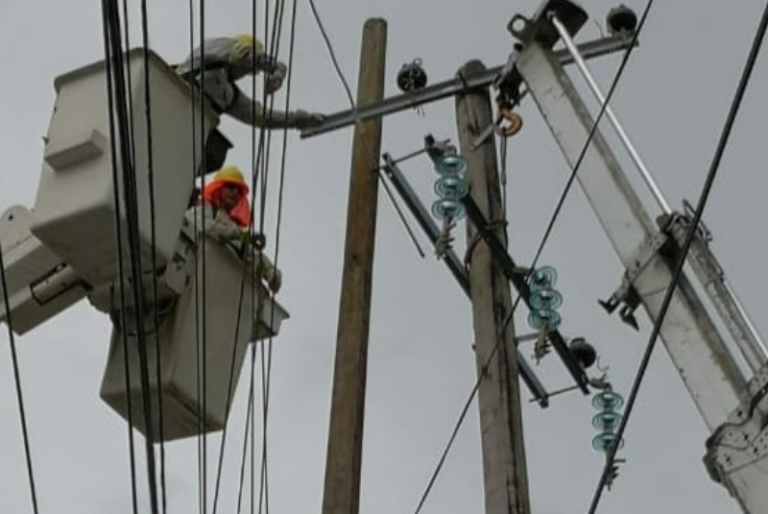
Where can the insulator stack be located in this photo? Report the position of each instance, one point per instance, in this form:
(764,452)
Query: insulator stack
(607,420)
(411,77)
(544,300)
(450,187)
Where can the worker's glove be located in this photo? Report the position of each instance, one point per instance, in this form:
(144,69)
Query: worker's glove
(275,281)
(303,119)
(266,63)
(258,241)
(274,79)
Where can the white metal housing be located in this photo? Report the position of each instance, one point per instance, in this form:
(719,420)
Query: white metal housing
(74,213)
(216,324)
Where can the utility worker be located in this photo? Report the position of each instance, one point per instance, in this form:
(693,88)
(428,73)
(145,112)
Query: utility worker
(227,60)
(225,216)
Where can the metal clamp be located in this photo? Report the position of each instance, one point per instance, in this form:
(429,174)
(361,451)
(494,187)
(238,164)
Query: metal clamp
(743,439)
(626,292)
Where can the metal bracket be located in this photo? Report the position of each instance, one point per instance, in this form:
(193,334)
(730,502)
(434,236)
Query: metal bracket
(449,88)
(626,292)
(742,440)
(540,29)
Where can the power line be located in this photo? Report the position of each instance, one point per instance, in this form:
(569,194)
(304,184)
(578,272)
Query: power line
(114,61)
(261,158)
(678,270)
(332,53)
(201,292)
(17,382)
(153,235)
(121,276)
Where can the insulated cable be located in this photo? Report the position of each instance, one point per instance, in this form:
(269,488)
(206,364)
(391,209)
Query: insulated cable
(121,276)
(114,62)
(17,382)
(153,236)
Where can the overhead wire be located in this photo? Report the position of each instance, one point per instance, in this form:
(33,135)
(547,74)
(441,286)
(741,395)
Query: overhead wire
(679,265)
(114,61)
(201,289)
(266,349)
(261,159)
(123,317)
(154,261)
(197,171)
(17,383)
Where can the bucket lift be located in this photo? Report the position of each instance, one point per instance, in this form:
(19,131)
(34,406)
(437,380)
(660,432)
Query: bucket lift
(64,249)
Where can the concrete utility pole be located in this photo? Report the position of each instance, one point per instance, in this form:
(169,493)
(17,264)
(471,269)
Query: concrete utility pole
(501,425)
(345,437)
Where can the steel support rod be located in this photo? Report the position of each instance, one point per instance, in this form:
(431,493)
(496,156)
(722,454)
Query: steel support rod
(449,88)
(742,312)
(582,65)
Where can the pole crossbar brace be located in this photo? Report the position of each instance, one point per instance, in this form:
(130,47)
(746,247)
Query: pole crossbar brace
(451,87)
(511,271)
(403,188)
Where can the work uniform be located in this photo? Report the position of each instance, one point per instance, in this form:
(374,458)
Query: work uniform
(217,224)
(230,226)
(227,60)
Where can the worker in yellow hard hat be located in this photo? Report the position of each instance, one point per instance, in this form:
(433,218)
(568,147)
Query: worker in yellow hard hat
(226,60)
(225,215)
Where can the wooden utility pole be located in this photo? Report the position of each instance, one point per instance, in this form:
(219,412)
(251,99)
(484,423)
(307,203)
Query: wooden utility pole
(501,425)
(345,437)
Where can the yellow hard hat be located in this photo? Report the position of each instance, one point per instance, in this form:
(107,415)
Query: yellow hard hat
(231,175)
(249,41)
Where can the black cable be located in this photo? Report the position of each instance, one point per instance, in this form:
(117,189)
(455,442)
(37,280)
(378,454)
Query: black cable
(115,66)
(203,352)
(246,439)
(153,235)
(678,270)
(17,382)
(197,170)
(592,132)
(121,274)
(266,348)
(261,158)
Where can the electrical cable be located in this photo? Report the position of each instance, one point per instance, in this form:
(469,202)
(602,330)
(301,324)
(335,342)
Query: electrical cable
(17,383)
(197,170)
(111,18)
(153,236)
(592,132)
(375,166)
(261,158)
(121,276)
(678,270)
(202,319)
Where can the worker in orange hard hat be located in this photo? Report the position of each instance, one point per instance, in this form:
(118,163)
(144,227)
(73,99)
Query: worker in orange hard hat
(220,62)
(226,217)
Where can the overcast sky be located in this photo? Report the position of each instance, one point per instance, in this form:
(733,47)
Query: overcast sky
(672,100)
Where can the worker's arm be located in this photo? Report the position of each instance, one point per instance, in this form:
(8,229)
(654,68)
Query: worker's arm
(218,226)
(251,112)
